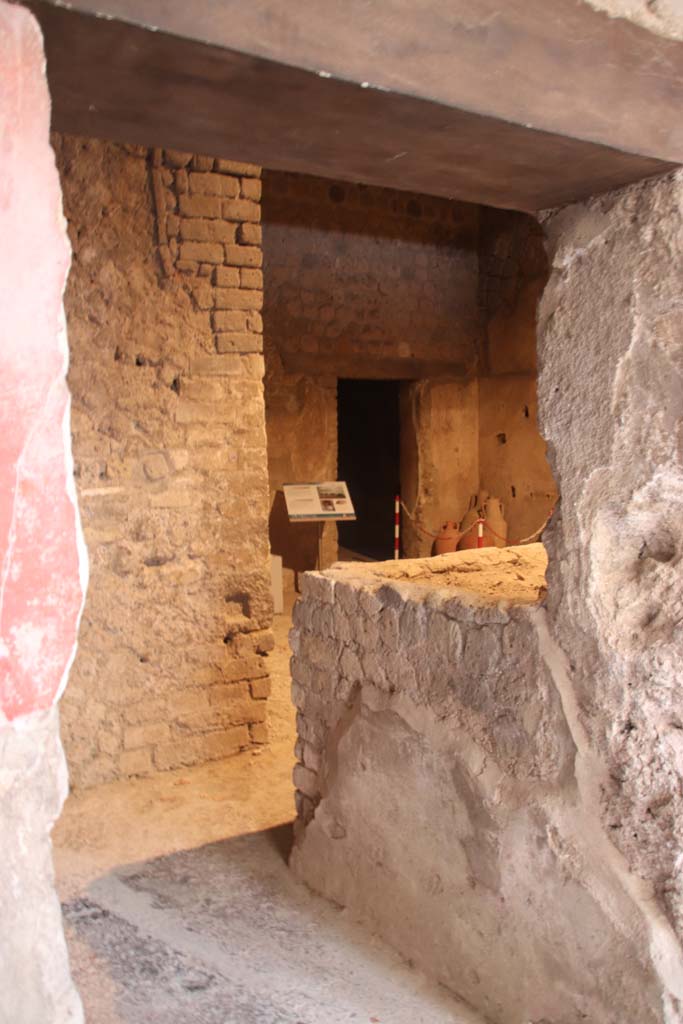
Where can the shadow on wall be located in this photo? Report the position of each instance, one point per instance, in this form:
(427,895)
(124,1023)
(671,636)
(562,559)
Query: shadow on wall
(296,543)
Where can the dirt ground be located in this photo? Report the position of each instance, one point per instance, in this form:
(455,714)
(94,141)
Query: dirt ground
(178,810)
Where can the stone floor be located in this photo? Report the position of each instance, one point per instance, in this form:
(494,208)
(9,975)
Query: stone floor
(179,907)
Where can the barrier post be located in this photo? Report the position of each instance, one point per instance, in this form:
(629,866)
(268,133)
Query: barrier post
(397,526)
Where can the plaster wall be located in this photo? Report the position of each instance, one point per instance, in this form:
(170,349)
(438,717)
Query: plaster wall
(43,568)
(169,443)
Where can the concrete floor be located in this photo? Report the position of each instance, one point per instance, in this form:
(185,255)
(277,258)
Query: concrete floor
(179,907)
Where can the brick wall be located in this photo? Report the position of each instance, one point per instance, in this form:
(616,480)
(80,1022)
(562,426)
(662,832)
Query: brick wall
(166,371)
(356,271)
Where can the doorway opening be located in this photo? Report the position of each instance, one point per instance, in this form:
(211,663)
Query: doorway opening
(369,460)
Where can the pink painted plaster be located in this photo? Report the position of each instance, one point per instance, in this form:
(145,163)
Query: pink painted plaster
(42,575)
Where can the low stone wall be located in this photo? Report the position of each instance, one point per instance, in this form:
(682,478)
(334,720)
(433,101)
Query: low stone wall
(436,789)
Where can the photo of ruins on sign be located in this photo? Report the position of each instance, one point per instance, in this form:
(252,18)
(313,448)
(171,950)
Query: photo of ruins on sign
(317,502)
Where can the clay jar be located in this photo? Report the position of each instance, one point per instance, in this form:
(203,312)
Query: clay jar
(447,539)
(495,518)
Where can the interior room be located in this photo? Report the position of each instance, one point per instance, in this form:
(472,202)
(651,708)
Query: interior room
(417,763)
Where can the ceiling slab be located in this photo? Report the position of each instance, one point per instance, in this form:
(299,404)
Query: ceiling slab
(412,125)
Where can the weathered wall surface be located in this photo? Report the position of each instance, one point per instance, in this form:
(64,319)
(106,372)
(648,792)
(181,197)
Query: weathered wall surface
(361,282)
(662,16)
(301,422)
(513,270)
(439,457)
(513,464)
(169,441)
(42,556)
(437,797)
(611,396)
(357,273)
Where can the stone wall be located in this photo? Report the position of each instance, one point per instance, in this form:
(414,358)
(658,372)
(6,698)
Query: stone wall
(611,394)
(168,430)
(436,791)
(522,768)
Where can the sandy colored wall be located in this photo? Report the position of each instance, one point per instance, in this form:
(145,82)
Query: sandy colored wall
(439,457)
(361,273)
(361,282)
(536,750)
(301,423)
(512,454)
(170,460)
(513,465)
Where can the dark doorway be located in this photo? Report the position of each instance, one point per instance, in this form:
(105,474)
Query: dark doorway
(369,461)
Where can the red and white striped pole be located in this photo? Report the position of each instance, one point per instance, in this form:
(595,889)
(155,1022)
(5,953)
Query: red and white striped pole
(397,526)
(480,533)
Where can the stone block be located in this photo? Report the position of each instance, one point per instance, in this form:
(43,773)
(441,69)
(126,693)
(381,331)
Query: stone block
(209,184)
(208,747)
(243,256)
(238,298)
(150,710)
(260,688)
(255,324)
(193,229)
(251,278)
(207,252)
(155,466)
(203,295)
(223,231)
(203,389)
(237,342)
(218,366)
(241,210)
(238,169)
(226,277)
(181,181)
(258,732)
(188,267)
(306,781)
(251,189)
(202,163)
(250,234)
(145,735)
(136,762)
(176,158)
(234,320)
(200,206)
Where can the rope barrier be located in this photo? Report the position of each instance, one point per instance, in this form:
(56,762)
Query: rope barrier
(510,543)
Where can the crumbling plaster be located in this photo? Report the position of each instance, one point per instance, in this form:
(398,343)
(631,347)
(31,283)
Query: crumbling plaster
(43,565)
